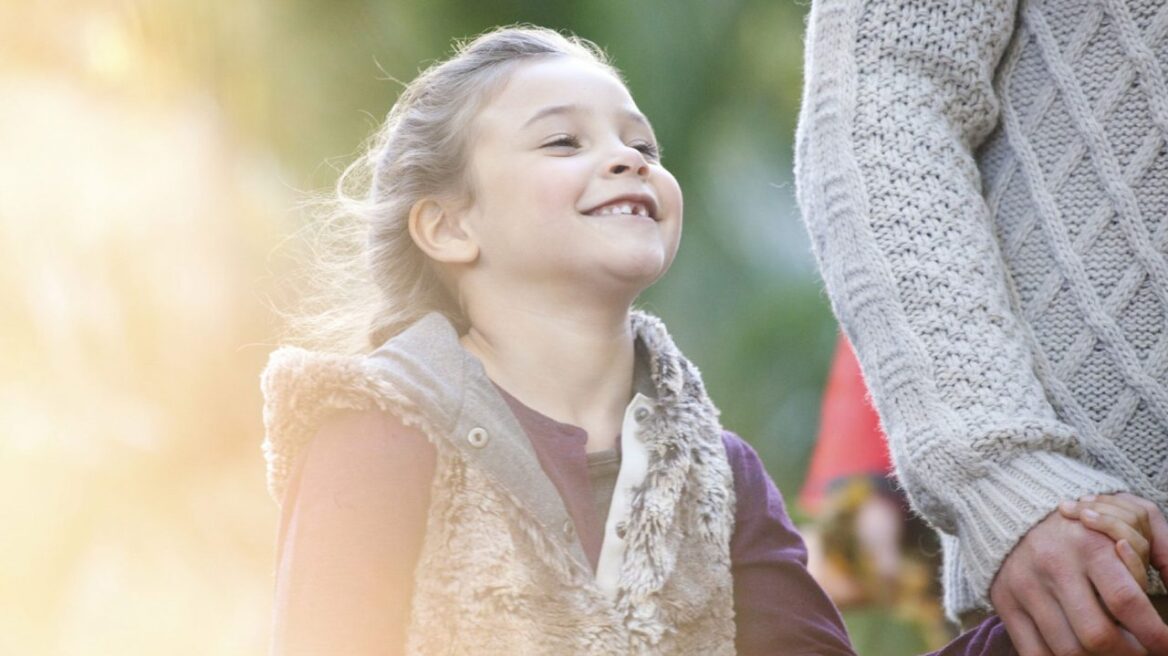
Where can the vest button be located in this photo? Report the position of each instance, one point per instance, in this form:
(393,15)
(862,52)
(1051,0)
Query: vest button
(569,529)
(641,414)
(622,528)
(478,437)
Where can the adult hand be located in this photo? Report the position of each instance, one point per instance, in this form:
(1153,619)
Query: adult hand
(1063,590)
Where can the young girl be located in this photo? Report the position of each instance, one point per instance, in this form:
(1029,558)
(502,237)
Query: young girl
(523,464)
(519,462)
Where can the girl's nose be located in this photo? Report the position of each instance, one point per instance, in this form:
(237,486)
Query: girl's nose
(629,159)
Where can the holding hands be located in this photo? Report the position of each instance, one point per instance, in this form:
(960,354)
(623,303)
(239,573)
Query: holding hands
(1128,521)
(1077,582)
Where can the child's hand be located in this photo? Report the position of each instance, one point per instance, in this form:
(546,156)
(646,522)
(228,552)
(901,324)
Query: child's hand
(1123,521)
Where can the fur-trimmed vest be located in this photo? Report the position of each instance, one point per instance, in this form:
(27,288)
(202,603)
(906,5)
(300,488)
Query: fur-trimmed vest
(502,570)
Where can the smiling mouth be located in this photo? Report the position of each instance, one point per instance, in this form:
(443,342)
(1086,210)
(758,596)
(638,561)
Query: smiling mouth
(625,207)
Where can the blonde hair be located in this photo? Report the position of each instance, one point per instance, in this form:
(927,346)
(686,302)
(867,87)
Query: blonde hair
(371,281)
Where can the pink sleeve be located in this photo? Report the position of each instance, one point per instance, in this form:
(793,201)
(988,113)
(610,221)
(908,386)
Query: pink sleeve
(352,524)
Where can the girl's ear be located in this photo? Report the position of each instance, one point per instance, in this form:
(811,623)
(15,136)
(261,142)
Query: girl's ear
(440,234)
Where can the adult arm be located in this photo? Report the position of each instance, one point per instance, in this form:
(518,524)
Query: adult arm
(351,529)
(898,96)
(778,606)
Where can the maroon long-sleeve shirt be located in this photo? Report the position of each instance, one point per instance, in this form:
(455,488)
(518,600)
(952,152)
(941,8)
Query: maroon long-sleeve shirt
(354,517)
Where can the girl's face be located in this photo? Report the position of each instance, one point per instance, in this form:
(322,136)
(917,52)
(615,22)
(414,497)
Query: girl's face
(568,190)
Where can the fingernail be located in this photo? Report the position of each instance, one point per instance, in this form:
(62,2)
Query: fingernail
(1067,506)
(1087,497)
(1090,514)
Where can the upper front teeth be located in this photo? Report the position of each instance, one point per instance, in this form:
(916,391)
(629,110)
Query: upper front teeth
(624,208)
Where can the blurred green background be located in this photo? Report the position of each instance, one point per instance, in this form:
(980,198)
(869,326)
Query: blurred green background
(153,156)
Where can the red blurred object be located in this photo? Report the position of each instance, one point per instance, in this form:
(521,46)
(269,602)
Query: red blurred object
(850,441)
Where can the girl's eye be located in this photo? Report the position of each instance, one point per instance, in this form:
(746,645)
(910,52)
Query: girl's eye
(649,150)
(563,141)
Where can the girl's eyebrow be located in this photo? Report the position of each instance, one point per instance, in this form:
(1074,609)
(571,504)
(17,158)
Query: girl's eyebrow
(573,108)
(553,110)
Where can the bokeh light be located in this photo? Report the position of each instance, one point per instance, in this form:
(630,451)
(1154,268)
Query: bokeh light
(153,155)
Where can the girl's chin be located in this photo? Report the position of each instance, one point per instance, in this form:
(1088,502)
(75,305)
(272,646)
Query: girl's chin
(630,281)
(635,266)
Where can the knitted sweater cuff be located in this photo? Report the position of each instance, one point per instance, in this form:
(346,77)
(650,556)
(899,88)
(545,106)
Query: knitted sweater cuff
(958,596)
(996,510)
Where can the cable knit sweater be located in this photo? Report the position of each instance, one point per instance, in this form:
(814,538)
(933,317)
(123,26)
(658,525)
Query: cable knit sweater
(986,186)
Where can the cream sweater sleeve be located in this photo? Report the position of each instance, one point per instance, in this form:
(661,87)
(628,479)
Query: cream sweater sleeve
(898,95)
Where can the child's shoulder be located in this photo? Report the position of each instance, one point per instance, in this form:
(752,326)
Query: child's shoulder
(357,454)
(740,453)
(752,483)
(310,395)
(428,349)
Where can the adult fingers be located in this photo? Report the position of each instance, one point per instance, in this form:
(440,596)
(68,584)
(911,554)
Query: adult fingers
(1046,577)
(1023,633)
(1078,608)
(1128,603)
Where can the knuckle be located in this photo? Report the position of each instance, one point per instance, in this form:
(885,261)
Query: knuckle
(1094,544)
(1099,639)
(1006,602)
(1124,600)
